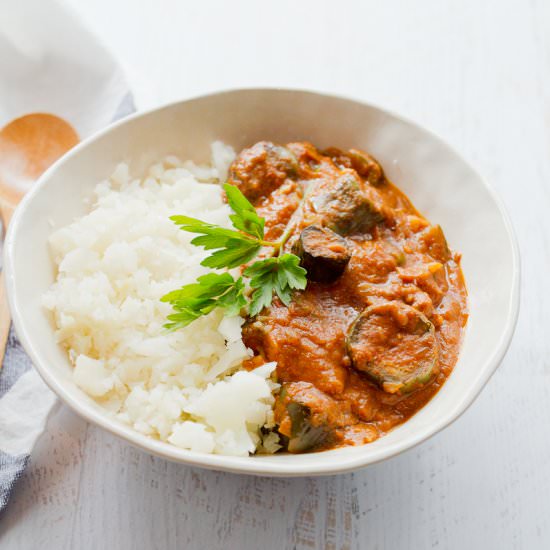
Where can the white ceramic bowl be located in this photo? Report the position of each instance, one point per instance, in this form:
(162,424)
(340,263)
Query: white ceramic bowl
(439,182)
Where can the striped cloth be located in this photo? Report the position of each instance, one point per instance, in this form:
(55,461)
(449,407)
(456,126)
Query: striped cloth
(25,400)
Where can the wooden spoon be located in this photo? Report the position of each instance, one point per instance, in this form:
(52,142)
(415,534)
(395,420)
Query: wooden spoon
(28,145)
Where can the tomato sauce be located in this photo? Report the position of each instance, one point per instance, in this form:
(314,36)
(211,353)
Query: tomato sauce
(363,350)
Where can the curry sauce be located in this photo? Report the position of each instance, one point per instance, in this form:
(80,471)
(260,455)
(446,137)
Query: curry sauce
(378,328)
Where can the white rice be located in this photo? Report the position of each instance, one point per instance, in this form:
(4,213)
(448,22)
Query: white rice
(186,387)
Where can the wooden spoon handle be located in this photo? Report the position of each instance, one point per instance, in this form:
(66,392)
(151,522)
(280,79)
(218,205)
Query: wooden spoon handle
(5,320)
(6,210)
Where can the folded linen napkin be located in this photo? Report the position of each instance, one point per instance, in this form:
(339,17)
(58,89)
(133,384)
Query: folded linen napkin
(49,63)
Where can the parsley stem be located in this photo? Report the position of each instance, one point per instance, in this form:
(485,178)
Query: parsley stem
(275,244)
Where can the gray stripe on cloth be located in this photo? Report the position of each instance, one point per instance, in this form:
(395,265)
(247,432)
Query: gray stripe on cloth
(16,362)
(11,469)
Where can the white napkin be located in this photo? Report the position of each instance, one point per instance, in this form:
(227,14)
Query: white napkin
(49,63)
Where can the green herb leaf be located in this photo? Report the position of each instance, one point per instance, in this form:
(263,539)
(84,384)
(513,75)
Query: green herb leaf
(245,217)
(233,300)
(295,274)
(212,235)
(214,282)
(280,274)
(234,248)
(210,291)
(180,319)
(261,297)
(234,254)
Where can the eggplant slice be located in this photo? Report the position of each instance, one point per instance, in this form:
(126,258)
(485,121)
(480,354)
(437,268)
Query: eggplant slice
(307,417)
(395,346)
(435,242)
(345,208)
(364,164)
(323,253)
(367,167)
(305,435)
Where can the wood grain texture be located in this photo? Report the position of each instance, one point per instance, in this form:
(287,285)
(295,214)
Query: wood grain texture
(477,73)
(6,211)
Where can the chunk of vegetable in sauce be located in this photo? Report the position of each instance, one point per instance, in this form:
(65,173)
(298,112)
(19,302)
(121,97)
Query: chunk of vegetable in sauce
(261,169)
(307,417)
(345,208)
(367,167)
(363,163)
(436,244)
(323,253)
(395,346)
(304,435)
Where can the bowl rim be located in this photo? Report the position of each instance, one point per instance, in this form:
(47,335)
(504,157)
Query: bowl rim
(255,465)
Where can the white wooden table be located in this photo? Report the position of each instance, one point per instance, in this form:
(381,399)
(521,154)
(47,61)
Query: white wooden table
(476,72)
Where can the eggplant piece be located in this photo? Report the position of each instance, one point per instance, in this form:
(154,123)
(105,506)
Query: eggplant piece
(323,253)
(434,240)
(304,435)
(307,418)
(262,168)
(364,164)
(395,346)
(367,167)
(345,208)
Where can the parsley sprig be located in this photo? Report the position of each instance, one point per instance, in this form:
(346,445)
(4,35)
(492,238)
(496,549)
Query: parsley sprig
(279,273)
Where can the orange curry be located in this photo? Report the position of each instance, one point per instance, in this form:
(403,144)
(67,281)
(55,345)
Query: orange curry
(378,329)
